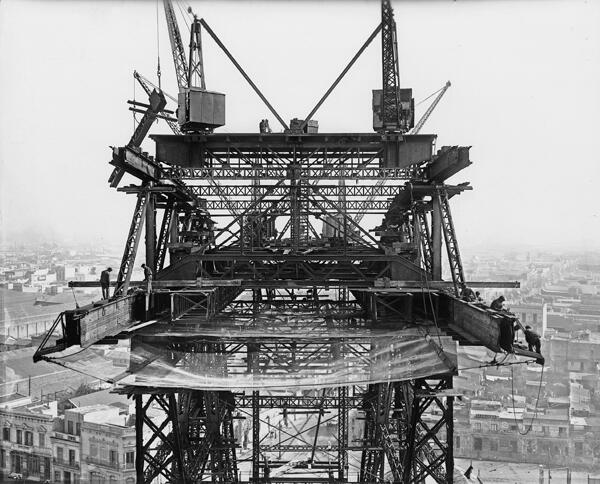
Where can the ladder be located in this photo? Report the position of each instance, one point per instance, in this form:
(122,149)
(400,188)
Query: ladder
(456,269)
(131,245)
(425,238)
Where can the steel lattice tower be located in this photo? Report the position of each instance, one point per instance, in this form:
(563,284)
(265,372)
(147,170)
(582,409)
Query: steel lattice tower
(278,301)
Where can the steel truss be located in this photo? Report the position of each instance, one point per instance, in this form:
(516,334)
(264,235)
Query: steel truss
(312,180)
(407,434)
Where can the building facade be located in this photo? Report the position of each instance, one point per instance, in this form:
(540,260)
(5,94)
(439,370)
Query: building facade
(26,446)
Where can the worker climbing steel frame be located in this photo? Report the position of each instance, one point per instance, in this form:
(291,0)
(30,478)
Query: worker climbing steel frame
(302,177)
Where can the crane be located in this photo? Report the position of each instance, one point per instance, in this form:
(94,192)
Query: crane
(430,109)
(198,109)
(415,130)
(179,57)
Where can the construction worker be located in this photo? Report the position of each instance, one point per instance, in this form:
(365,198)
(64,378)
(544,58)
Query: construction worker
(478,298)
(498,304)
(105,281)
(467,294)
(147,277)
(533,339)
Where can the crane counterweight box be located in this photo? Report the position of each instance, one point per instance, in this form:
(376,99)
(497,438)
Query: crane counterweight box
(200,109)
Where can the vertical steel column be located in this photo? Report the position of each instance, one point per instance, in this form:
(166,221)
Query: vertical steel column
(342,434)
(163,237)
(436,240)
(177,444)
(151,230)
(255,437)
(295,204)
(450,435)
(174,228)
(139,439)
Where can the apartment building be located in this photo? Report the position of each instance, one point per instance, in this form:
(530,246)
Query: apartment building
(26,440)
(107,446)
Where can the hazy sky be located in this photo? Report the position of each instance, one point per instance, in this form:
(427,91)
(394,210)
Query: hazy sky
(525,95)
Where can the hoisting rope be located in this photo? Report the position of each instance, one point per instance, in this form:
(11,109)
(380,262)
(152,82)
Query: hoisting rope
(134,117)
(183,14)
(424,277)
(430,96)
(157,48)
(535,411)
(497,364)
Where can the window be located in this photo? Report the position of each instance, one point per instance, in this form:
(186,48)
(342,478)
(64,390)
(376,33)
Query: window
(477,426)
(578,448)
(113,458)
(130,457)
(477,445)
(493,445)
(19,436)
(70,427)
(93,450)
(457,444)
(494,427)
(59,454)
(78,428)
(523,317)
(71,457)
(42,437)
(562,431)
(57,476)
(2,458)
(534,318)
(6,434)
(28,438)
(33,465)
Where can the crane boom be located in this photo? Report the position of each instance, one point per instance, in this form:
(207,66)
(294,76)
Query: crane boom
(179,56)
(390,96)
(430,109)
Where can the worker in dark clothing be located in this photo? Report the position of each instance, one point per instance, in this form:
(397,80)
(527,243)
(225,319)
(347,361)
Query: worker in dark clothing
(467,294)
(147,277)
(533,340)
(498,304)
(105,281)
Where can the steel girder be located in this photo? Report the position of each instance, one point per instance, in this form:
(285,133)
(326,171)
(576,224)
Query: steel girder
(360,172)
(362,190)
(131,244)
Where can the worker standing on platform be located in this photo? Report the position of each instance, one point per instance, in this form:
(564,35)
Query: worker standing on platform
(147,277)
(533,340)
(498,304)
(105,281)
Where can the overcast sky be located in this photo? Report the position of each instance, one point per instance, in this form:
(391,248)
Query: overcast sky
(525,95)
